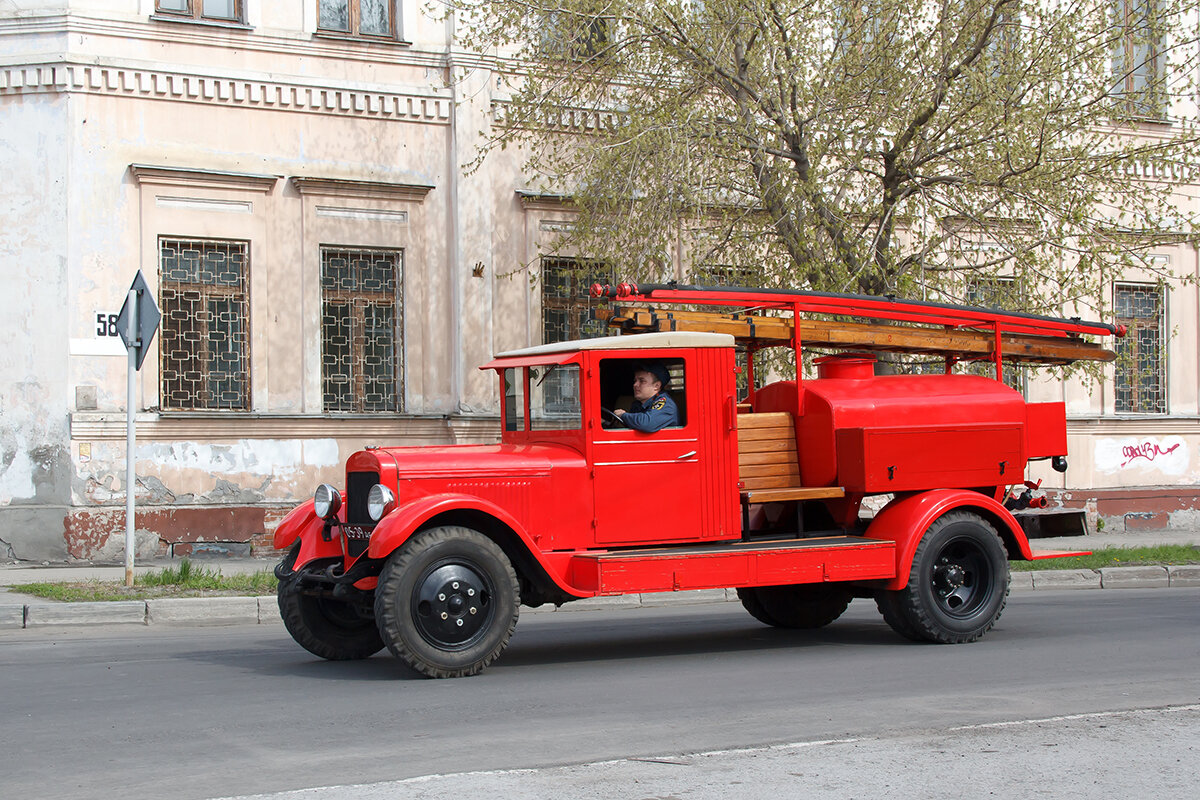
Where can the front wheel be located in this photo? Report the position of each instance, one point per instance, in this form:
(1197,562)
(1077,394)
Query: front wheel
(447,602)
(331,629)
(958,584)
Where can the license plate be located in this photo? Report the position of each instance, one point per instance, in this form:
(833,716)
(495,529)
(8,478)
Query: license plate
(357,531)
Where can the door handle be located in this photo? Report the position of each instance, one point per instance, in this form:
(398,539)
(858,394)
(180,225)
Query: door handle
(688,454)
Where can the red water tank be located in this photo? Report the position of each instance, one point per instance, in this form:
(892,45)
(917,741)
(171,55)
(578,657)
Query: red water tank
(891,433)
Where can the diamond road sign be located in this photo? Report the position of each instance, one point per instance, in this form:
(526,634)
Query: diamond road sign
(142,319)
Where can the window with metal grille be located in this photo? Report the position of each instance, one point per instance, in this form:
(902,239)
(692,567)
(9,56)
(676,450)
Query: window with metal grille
(361,324)
(1141,371)
(1004,294)
(566,307)
(205,324)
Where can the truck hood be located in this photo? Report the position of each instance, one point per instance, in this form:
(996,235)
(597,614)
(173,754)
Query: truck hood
(476,461)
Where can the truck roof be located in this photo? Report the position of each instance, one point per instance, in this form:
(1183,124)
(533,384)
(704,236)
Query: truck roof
(637,341)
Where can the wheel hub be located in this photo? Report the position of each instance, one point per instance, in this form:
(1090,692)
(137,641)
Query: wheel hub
(453,605)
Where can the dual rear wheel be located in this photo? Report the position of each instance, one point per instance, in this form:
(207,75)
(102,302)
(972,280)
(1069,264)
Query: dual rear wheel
(956,590)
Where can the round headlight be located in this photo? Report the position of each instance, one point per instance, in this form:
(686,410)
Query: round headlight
(380,501)
(327,501)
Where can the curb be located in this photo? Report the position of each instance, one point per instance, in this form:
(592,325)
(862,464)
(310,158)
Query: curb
(215,611)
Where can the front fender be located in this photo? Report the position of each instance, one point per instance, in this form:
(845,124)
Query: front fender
(905,520)
(303,523)
(394,529)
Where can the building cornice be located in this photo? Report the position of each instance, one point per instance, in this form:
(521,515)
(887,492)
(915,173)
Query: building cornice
(110,79)
(148,174)
(368,190)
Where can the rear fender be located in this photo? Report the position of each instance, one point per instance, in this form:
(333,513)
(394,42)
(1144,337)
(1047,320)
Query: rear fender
(905,520)
(302,523)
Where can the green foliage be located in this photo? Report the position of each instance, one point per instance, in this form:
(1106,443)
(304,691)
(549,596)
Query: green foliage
(875,146)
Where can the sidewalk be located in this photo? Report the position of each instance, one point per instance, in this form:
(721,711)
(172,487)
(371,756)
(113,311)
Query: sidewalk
(25,611)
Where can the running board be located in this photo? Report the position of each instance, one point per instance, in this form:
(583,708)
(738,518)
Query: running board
(726,565)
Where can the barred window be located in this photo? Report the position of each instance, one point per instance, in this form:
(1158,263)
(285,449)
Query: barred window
(1141,379)
(205,323)
(1004,294)
(566,307)
(361,329)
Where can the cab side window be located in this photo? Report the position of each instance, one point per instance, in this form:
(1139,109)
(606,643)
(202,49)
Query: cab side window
(617,385)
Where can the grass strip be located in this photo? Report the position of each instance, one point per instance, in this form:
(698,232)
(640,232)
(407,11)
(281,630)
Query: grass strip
(1160,555)
(186,580)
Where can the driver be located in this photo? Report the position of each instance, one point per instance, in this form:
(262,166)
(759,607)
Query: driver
(652,409)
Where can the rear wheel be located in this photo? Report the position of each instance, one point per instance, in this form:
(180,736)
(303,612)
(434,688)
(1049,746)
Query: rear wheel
(328,628)
(447,602)
(801,606)
(958,584)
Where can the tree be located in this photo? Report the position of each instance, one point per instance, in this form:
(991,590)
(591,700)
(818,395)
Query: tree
(877,146)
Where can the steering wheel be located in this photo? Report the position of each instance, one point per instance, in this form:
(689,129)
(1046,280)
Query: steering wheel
(609,419)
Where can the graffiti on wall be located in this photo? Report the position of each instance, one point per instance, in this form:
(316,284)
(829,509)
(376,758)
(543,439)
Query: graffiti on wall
(1167,455)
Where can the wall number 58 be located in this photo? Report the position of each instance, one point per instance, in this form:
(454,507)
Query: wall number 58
(106,324)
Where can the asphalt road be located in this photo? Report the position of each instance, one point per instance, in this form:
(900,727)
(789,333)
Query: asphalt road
(208,712)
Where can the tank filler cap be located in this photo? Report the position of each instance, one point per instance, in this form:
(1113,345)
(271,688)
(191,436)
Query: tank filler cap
(846,366)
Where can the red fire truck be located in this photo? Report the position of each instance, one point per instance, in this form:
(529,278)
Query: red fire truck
(431,551)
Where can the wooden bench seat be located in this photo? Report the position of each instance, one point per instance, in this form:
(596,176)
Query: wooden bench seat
(768,471)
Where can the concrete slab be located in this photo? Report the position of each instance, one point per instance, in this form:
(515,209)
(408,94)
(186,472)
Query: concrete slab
(1021,581)
(1066,579)
(268,611)
(12,616)
(202,611)
(1133,577)
(598,603)
(684,598)
(1184,575)
(122,612)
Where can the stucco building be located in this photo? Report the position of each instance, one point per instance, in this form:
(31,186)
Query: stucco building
(289,177)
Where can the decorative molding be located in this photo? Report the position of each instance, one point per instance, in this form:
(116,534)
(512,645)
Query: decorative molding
(398,217)
(384,430)
(151,175)
(545,201)
(276,95)
(200,204)
(1172,425)
(367,190)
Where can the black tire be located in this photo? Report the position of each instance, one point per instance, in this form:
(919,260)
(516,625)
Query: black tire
(800,606)
(447,602)
(328,628)
(958,584)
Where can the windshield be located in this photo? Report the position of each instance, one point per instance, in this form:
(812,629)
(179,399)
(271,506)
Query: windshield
(554,397)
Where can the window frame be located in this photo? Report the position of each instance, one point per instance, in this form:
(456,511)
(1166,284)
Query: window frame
(1146,102)
(202,403)
(576,305)
(195,13)
(1125,368)
(354,21)
(358,300)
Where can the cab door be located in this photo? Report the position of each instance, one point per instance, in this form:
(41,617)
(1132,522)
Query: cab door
(647,485)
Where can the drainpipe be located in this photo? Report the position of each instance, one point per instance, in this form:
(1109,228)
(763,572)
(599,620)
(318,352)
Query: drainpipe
(454,249)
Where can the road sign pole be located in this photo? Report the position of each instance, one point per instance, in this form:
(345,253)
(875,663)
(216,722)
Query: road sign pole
(130,442)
